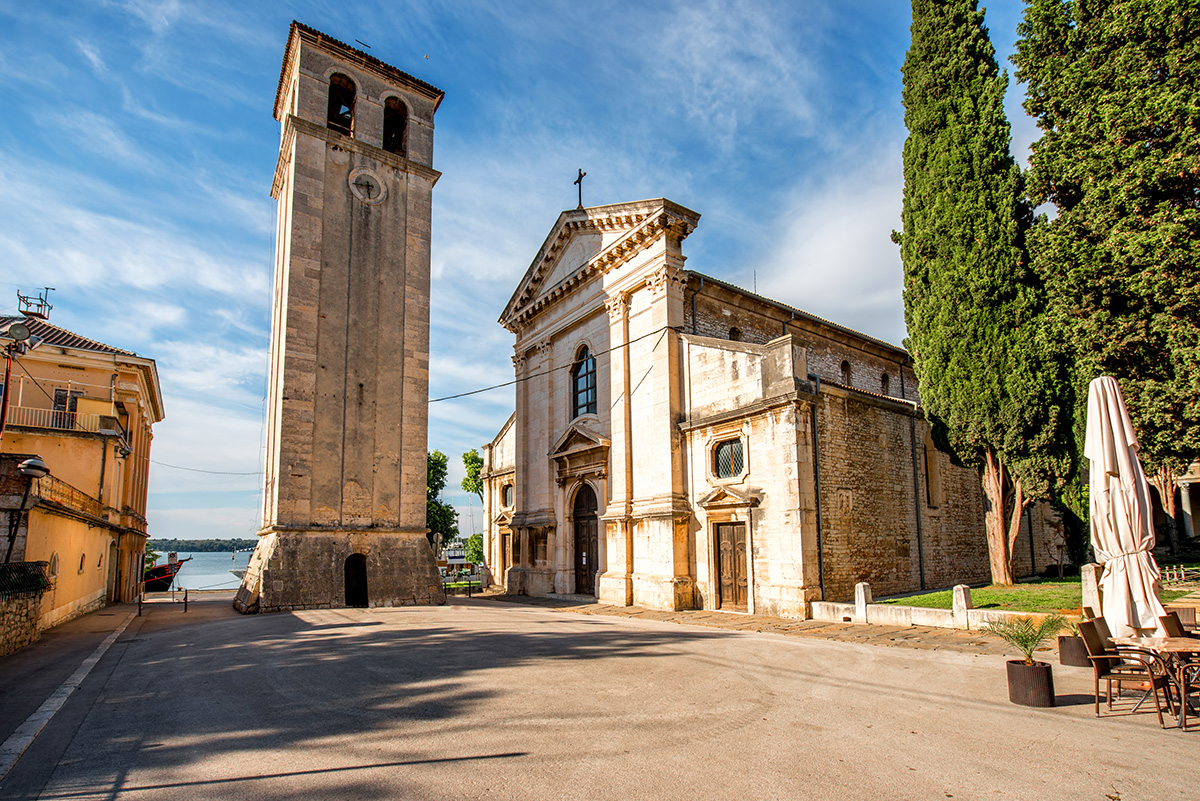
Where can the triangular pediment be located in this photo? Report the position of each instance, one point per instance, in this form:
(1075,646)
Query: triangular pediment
(586,242)
(728,496)
(503,519)
(578,437)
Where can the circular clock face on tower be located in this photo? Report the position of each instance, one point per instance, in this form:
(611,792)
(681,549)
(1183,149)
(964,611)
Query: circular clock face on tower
(367,186)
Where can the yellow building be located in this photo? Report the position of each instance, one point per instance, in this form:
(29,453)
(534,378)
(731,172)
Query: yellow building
(87,410)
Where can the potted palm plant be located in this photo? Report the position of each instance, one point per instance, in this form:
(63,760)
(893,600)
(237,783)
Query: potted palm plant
(1030,683)
(1071,650)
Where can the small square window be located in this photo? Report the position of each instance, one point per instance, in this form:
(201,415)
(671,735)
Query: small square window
(728,459)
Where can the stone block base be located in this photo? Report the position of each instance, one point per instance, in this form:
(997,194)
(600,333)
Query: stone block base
(534,582)
(781,600)
(615,589)
(664,594)
(308,570)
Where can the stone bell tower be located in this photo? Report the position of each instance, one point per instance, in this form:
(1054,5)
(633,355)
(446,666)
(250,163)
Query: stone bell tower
(344,492)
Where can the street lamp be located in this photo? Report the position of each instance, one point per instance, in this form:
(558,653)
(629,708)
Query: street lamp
(31,468)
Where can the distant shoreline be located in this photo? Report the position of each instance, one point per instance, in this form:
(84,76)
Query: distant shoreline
(201,546)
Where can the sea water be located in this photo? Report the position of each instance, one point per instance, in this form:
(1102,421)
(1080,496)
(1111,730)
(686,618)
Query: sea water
(209,570)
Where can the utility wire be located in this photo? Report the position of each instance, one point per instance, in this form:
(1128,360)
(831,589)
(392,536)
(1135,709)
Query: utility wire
(552,369)
(198,470)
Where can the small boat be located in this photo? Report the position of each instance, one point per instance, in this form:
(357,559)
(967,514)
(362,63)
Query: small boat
(160,577)
(239,573)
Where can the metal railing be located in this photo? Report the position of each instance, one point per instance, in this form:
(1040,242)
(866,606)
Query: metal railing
(22,579)
(52,489)
(52,418)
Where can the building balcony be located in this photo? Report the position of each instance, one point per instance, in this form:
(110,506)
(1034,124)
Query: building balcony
(53,419)
(49,488)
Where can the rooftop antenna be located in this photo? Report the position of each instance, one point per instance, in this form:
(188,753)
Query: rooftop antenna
(38,307)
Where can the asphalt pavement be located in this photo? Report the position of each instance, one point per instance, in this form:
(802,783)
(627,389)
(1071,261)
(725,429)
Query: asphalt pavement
(506,698)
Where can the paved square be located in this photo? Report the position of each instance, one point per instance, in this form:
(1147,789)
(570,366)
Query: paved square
(479,699)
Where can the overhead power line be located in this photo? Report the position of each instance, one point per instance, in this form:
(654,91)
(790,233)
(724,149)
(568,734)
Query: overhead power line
(552,369)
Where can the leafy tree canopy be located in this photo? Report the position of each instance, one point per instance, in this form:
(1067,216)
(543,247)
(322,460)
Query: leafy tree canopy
(440,518)
(989,382)
(474,549)
(1114,88)
(473,482)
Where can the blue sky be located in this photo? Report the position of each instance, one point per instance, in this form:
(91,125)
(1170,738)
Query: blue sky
(137,148)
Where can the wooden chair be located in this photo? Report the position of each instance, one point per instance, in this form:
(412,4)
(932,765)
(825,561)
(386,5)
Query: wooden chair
(1173,626)
(1186,615)
(1189,681)
(1125,665)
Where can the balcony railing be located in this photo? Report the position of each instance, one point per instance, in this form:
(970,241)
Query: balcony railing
(52,489)
(52,418)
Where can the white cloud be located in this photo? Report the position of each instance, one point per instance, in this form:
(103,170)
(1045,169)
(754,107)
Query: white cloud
(834,256)
(92,54)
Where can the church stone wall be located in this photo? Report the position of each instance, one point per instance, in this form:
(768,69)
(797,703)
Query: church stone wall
(869,505)
(718,310)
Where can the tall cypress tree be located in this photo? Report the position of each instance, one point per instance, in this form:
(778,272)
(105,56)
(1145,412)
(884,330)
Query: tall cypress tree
(989,384)
(1115,88)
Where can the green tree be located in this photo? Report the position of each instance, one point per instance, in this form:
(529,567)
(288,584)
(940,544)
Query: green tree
(440,517)
(473,482)
(989,384)
(474,549)
(1114,87)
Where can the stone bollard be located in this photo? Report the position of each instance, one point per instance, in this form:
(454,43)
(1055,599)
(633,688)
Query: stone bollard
(1090,576)
(862,599)
(960,613)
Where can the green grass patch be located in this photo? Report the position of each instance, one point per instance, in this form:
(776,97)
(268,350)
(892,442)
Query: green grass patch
(1050,595)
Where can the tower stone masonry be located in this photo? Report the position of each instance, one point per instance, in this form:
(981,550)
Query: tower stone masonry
(344,490)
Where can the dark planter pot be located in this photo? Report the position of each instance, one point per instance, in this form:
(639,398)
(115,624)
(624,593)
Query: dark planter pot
(1072,652)
(1030,685)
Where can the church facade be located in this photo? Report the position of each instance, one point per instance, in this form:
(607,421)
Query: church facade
(681,443)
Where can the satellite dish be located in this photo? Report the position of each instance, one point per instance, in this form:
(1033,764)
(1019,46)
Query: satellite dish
(19,332)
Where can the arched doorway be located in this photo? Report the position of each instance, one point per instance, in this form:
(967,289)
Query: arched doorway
(586,527)
(356,580)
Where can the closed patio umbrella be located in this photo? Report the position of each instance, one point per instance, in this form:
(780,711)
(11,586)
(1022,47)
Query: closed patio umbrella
(1122,518)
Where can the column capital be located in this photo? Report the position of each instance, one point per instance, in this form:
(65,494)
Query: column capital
(617,306)
(666,279)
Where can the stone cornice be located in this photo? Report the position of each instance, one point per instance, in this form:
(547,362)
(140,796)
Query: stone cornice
(645,224)
(293,125)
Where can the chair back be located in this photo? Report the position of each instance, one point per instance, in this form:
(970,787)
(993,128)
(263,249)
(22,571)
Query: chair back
(1186,615)
(1104,631)
(1171,625)
(1095,646)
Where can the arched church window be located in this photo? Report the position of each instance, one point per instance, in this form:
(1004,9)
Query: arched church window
(583,381)
(341,103)
(846,373)
(506,496)
(395,126)
(885,383)
(933,475)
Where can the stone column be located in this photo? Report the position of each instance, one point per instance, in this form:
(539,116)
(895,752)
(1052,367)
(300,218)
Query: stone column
(615,583)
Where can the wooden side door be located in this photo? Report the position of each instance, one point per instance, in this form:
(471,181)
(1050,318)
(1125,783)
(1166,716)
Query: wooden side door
(585,555)
(731,565)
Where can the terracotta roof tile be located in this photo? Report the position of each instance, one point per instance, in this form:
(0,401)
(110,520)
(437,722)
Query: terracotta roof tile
(61,337)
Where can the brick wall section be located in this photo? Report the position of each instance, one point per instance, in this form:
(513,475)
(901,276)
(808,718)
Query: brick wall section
(719,308)
(19,622)
(869,514)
